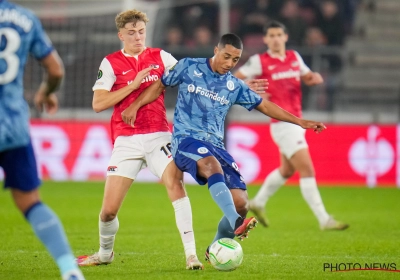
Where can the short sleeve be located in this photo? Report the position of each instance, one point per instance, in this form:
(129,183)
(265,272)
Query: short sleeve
(168,60)
(105,77)
(173,76)
(247,98)
(303,67)
(252,67)
(41,45)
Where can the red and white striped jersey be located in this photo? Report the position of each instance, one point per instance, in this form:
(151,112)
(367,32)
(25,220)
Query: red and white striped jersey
(283,74)
(119,69)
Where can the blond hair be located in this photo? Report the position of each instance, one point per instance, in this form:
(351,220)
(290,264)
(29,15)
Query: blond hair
(130,16)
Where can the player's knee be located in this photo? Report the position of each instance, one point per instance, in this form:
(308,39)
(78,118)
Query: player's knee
(208,167)
(307,172)
(286,173)
(107,215)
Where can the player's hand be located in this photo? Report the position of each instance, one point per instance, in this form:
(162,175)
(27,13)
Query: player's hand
(318,127)
(49,103)
(258,85)
(316,79)
(129,116)
(140,76)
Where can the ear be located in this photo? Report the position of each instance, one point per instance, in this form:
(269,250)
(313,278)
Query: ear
(120,36)
(286,37)
(216,50)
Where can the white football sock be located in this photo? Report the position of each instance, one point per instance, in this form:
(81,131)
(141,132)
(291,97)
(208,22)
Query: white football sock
(183,217)
(271,184)
(107,230)
(309,190)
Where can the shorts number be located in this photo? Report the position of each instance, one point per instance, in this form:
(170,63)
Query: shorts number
(234,165)
(166,149)
(8,54)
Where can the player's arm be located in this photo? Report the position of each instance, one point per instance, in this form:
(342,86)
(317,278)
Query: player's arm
(45,97)
(308,77)
(312,78)
(248,71)
(150,94)
(272,110)
(104,99)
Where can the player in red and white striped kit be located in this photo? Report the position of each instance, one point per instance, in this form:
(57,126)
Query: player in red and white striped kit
(122,77)
(285,70)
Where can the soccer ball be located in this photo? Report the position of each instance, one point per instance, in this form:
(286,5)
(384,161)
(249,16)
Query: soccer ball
(226,254)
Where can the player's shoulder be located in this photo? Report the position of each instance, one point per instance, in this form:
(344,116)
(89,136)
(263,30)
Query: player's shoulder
(150,50)
(26,17)
(292,53)
(235,80)
(114,55)
(5,5)
(189,62)
(194,60)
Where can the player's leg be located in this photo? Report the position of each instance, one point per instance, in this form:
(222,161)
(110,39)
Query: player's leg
(115,190)
(210,168)
(21,176)
(271,184)
(240,199)
(302,162)
(126,161)
(196,157)
(161,164)
(238,190)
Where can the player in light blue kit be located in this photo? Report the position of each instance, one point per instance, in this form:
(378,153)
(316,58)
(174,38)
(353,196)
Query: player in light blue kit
(207,90)
(21,33)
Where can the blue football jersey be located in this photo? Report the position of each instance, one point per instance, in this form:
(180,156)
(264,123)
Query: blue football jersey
(204,99)
(21,33)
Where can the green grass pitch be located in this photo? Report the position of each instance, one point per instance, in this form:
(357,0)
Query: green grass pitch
(148,245)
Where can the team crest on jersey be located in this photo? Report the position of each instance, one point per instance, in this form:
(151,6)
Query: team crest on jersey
(99,74)
(202,150)
(295,64)
(155,66)
(191,88)
(230,85)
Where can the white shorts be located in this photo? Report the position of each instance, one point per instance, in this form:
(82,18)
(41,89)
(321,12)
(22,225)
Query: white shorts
(289,137)
(133,153)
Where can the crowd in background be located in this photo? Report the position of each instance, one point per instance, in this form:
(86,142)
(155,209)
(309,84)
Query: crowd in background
(309,22)
(193,30)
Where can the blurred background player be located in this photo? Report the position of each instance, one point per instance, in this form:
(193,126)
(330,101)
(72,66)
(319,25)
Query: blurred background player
(22,33)
(207,90)
(122,76)
(284,69)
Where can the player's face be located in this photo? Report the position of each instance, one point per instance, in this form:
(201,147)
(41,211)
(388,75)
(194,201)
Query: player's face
(133,37)
(226,58)
(275,39)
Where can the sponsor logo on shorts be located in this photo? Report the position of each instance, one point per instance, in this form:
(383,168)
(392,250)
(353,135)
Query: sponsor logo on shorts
(112,169)
(299,142)
(202,150)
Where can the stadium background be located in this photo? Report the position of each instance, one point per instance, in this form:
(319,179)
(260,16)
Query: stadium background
(354,44)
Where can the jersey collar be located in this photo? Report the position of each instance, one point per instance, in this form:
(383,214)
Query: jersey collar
(281,58)
(135,56)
